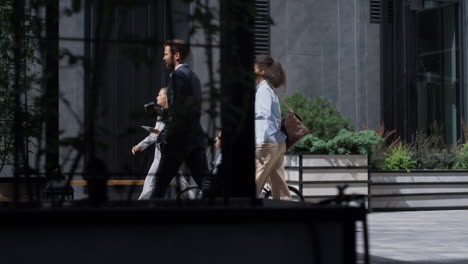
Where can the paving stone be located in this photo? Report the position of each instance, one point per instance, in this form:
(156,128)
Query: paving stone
(418,237)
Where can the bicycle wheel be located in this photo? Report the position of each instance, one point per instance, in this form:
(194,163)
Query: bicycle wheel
(266,193)
(189,193)
(295,194)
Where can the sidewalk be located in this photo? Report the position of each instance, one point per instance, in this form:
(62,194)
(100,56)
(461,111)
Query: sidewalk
(418,237)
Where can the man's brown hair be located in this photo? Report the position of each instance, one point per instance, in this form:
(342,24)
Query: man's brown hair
(274,72)
(177,45)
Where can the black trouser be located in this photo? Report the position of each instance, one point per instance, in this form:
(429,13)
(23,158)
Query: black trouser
(172,159)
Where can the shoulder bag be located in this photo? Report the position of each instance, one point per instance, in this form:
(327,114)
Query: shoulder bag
(292,125)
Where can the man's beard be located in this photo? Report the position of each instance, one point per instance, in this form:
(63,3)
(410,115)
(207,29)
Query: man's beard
(170,65)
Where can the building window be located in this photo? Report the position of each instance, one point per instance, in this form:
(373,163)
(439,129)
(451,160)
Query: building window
(437,70)
(421,70)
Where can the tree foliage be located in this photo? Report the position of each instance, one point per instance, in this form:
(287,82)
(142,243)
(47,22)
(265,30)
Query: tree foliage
(8,91)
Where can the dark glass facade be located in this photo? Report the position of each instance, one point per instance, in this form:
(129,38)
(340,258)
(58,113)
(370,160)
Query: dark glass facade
(421,69)
(437,70)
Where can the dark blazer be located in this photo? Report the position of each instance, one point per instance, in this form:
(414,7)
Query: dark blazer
(183,116)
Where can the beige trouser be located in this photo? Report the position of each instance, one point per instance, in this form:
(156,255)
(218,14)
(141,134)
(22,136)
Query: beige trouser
(269,165)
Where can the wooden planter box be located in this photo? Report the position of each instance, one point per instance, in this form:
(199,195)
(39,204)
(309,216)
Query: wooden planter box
(317,176)
(419,189)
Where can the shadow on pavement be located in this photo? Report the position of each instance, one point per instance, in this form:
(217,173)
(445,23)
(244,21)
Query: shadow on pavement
(381,260)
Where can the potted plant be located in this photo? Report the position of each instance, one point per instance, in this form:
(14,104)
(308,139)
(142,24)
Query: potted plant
(332,155)
(420,174)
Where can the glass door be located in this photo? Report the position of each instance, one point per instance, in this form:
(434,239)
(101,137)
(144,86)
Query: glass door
(437,69)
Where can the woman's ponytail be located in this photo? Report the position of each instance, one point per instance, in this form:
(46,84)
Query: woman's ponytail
(274,72)
(275,75)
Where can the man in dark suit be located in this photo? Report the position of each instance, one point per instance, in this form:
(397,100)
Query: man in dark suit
(183,139)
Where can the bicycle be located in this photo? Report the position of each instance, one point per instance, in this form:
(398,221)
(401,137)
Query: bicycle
(295,193)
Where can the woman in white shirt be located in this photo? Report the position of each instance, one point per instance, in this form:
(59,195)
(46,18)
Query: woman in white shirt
(152,138)
(270,140)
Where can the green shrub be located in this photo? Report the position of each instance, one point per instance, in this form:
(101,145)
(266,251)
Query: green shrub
(319,115)
(319,146)
(346,142)
(427,150)
(331,132)
(305,144)
(399,157)
(377,156)
(444,159)
(462,158)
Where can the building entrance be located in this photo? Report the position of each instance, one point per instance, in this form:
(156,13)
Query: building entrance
(436,43)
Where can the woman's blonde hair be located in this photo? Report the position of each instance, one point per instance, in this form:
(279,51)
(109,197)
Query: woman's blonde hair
(164,89)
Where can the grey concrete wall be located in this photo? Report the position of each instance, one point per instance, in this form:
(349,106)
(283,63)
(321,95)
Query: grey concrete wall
(199,63)
(329,48)
(71,85)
